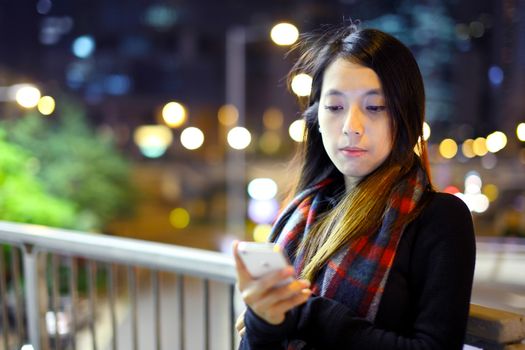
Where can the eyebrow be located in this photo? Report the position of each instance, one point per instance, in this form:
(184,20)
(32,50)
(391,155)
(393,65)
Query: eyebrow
(334,92)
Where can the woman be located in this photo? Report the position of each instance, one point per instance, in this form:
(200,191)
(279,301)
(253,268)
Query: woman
(383,261)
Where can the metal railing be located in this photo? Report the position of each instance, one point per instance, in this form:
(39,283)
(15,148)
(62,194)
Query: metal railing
(48,256)
(77,286)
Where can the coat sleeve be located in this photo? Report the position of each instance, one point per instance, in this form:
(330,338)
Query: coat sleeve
(442,265)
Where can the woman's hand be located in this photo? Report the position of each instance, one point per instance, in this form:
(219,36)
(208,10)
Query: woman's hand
(267,296)
(239,324)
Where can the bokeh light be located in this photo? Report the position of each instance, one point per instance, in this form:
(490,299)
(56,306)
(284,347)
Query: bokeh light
(174,114)
(43,6)
(467,148)
(473,182)
(477,29)
(273,118)
(192,138)
(426,131)
(451,189)
(284,34)
(27,96)
(491,191)
(489,161)
(153,140)
(270,142)
(239,138)
(261,232)
(179,218)
(262,188)
(302,84)
(520,131)
(480,146)
(83,46)
(263,211)
(46,105)
(496,141)
(480,203)
(448,148)
(228,115)
(496,75)
(296,130)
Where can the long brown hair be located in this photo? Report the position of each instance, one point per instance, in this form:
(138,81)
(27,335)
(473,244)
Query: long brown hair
(361,210)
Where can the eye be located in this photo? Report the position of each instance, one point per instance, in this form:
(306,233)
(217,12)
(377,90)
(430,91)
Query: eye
(333,108)
(375,109)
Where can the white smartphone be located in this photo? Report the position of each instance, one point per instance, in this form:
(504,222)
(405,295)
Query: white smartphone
(261,258)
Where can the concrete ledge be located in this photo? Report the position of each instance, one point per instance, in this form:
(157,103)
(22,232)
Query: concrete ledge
(494,329)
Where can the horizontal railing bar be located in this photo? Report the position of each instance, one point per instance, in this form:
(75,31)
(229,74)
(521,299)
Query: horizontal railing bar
(196,262)
(501,244)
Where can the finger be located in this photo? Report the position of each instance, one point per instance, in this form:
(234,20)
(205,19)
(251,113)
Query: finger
(296,300)
(239,324)
(276,313)
(258,289)
(242,271)
(270,280)
(279,294)
(242,332)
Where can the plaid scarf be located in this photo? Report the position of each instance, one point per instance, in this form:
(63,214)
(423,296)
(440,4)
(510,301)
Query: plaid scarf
(356,274)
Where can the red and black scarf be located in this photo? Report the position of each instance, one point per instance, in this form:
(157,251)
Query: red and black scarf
(356,274)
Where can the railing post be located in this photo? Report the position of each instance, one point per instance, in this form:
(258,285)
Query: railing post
(31,291)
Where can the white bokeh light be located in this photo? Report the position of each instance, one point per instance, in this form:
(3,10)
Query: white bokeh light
(239,138)
(296,130)
(520,131)
(496,141)
(174,114)
(473,183)
(192,138)
(262,188)
(302,84)
(284,34)
(426,131)
(27,96)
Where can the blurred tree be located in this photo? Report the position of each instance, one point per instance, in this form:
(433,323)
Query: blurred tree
(23,196)
(76,164)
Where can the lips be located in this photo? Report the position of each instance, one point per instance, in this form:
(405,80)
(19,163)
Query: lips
(353,151)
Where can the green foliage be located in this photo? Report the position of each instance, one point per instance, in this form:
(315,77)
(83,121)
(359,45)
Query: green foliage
(75,164)
(23,197)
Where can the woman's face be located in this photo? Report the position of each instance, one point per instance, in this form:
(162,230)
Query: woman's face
(353,120)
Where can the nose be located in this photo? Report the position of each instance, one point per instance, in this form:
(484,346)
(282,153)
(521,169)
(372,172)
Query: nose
(353,123)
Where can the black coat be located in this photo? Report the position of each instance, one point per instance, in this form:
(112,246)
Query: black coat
(426,300)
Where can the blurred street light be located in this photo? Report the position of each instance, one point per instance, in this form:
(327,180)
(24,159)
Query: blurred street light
(46,105)
(284,34)
(239,138)
(262,189)
(520,131)
(480,146)
(153,140)
(174,114)
(302,84)
(468,148)
(296,130)
(448,148)
(228,115)
(496,141)
(26,96)
(426,131)
(192,138)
